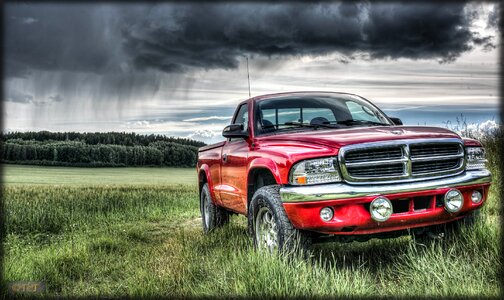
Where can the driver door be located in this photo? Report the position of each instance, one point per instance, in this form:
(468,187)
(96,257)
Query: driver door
(234,166)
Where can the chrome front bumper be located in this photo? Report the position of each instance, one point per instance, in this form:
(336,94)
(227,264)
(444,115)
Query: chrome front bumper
(335,191)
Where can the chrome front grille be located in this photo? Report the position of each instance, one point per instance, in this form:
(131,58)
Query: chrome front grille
(427,150)
(404,160)
(377,154)
(377,171)
(421,167)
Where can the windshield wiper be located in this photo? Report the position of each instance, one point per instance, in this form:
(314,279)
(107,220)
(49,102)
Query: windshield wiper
(351,122)
(299,124)
(291,126)
(294,125)
(318,125)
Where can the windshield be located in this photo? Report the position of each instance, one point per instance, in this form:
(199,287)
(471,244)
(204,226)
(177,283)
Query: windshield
(313,112)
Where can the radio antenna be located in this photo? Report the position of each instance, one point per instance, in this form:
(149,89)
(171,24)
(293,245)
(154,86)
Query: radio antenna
(248,76)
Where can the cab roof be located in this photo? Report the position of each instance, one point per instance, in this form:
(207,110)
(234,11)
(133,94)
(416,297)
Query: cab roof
(300,93)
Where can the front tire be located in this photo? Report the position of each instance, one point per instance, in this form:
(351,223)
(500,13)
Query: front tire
(271,229)
(212,215)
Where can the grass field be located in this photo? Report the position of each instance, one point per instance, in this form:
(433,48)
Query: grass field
(132,231)
(22,174)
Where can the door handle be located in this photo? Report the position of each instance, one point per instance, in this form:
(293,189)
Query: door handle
(224,157)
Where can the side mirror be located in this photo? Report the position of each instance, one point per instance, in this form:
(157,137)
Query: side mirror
(396,121)
(234,131)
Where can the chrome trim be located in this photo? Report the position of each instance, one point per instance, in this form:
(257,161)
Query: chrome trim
(409,165)
(406,159)
(444,157)
(336,191)
(377,162)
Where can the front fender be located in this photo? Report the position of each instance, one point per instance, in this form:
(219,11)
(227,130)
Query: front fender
(266,163)
(468,142)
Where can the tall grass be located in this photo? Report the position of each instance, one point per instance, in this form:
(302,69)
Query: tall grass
(53,209)
(153,259)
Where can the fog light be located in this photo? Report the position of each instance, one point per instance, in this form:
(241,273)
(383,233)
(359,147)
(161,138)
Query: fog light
(380,209)
(326,214)
(476,197)
(453,200)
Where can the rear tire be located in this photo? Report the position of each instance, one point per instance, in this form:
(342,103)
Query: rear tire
(212,215)
(271,229)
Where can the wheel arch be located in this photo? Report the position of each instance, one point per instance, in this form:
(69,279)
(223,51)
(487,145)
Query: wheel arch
(204,177)
(261,172)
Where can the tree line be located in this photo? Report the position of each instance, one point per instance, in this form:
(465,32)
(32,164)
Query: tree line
(95,138)
(112,149)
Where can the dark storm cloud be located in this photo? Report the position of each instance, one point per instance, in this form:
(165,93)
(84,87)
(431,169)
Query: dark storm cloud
(494,17)
(57,37)
(174,37)
(217,36)
(487,42)
(55,98)
(417,31)
(18,97)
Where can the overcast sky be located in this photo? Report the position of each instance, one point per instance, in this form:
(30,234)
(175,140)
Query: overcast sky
(180,69)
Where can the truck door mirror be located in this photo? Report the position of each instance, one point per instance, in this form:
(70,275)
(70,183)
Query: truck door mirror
(234,131)
(396,121)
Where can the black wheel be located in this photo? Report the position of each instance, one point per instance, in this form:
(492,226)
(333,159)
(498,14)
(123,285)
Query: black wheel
(271,229)
(212,216)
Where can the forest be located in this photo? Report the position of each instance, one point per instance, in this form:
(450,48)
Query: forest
(99,149)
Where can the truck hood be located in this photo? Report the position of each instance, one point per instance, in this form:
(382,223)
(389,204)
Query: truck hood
(337,138)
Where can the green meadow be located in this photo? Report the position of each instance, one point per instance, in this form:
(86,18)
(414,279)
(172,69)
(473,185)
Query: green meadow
(25,175)
(137,232)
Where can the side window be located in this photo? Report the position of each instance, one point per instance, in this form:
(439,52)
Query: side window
(242,116)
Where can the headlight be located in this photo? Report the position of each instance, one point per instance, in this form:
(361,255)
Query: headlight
(475,157)
(453,201)
(315,171)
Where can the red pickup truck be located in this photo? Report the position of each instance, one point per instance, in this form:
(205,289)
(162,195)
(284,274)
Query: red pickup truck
(318,166)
